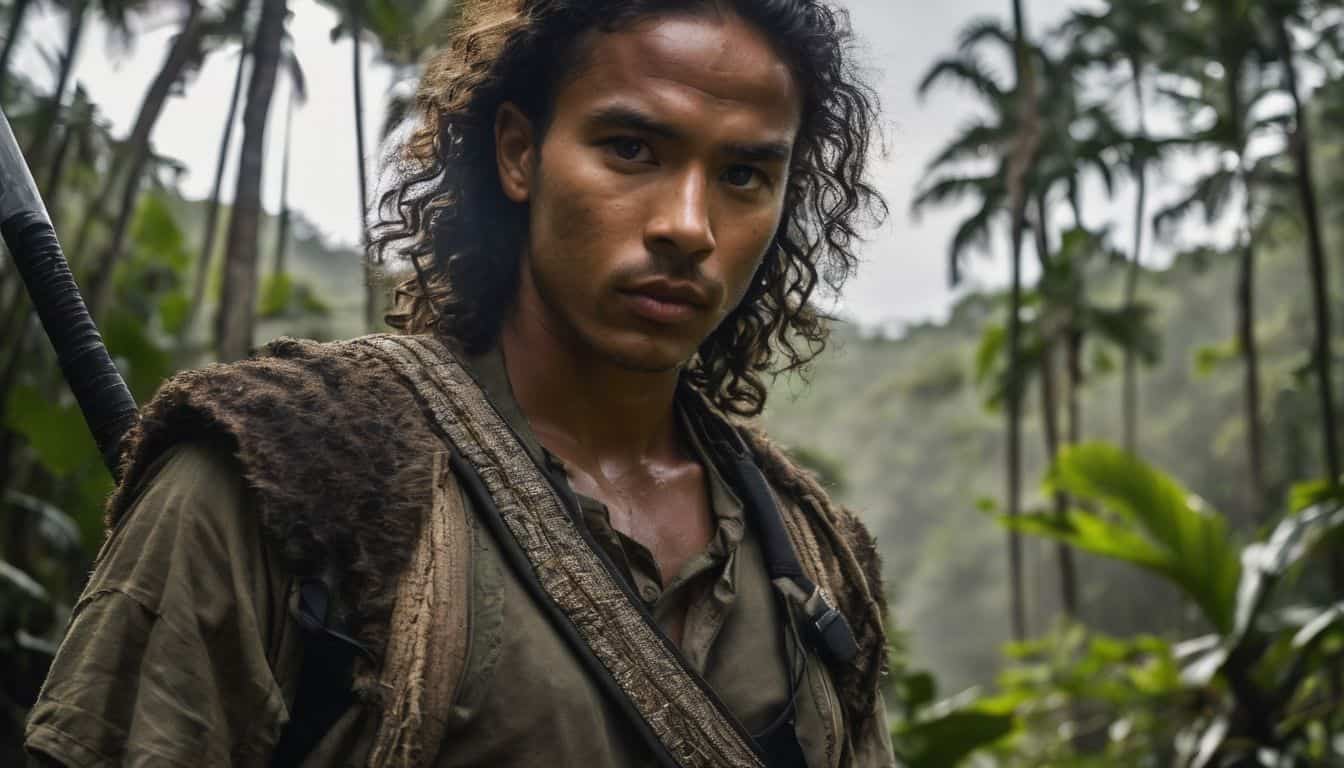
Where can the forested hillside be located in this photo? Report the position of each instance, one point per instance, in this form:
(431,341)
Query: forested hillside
(904,421)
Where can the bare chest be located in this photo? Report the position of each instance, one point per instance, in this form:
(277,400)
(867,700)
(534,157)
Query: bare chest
(668,513)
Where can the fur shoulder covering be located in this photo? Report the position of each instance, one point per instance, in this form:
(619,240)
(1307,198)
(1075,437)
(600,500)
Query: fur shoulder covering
(840,552)
(333,448)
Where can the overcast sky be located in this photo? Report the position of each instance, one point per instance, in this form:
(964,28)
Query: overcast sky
(903,277)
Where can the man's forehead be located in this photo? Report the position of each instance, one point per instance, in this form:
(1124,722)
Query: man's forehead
(713,62)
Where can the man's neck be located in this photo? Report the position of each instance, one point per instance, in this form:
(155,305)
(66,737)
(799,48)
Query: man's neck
(583,407)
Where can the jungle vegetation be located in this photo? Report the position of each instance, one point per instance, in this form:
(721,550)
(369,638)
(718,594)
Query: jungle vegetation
(1107,496)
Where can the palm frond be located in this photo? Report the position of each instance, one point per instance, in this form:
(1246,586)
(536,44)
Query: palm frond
(971,143)
(950,189)
(972,234)
(978,30)
(965,70)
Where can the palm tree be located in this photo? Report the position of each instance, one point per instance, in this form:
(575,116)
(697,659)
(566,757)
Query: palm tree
(1009,137)
(236,318)
(184,54)
(405,30)
(370,288)
(18,12)
(116,16)
(298,95)
(1281,14)
(1226,83)
(79,122)
(1128,34)
(206,254)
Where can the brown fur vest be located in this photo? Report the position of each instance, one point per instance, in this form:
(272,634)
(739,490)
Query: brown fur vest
(337,452)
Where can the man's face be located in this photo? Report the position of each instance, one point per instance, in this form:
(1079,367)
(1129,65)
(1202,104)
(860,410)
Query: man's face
(657,189)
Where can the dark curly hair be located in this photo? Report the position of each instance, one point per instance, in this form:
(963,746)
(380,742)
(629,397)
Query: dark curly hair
(447,203)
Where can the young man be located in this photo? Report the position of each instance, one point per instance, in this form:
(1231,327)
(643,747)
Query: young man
(523,531)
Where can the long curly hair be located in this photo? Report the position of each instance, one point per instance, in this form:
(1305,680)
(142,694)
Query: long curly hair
(447,213)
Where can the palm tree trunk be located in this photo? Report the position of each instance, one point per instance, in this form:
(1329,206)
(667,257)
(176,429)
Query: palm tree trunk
(207,253)
(1251,357)
(1130,406)
(236,318)
(282,227)
(17,12)
(1320,282)
(1023,156)
(1073,399)
(51,107)
(1300,142)
(1041,232)
(185,49)
(73,138)
(370,286)
(1068,574)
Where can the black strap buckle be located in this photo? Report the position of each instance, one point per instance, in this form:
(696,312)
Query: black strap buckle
(829,632)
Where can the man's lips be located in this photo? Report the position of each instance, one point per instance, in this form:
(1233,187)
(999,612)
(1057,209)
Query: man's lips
(666,301)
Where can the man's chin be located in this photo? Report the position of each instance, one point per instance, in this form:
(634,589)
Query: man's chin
(648,356)
(648,363)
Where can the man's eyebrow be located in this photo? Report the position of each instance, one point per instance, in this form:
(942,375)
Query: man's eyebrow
(765,152)
(633,119)
(625,117)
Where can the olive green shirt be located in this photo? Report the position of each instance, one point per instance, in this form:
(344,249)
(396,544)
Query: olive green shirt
(181,650)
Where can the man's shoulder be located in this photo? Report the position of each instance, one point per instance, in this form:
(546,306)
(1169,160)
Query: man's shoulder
(315,429)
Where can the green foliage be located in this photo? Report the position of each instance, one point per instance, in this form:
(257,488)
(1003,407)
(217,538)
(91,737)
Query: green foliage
(55,432)
(1085,698)
(1147,520)
(931,734)
(1257,691)
(1211,357)
(277,292)
(284,297)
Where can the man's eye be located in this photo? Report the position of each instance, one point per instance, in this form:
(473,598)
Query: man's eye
(743,176)
(630,149)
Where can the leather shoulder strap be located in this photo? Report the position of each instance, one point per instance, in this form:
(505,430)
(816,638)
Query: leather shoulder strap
(692,726)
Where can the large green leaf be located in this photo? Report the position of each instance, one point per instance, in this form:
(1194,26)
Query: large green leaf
(1095,534)
(55,432)
(1182,539)
(944,741)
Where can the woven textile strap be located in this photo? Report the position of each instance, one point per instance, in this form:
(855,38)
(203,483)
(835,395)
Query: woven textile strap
(677,706)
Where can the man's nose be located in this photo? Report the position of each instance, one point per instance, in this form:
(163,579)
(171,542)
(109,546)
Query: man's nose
(680,222)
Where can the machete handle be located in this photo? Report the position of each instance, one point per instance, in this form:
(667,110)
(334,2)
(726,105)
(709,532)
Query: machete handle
(109,410)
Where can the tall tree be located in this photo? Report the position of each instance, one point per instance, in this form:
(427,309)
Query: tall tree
(1128,34)
(184,54)
(298,95)
(1282,13)
(1009,135)
(370,287)
(205,257)
(51,107)
(236,317)
(1020,162)
(1222,88)
(18,13)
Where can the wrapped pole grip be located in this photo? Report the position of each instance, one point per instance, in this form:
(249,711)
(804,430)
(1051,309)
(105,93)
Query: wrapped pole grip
(107,404)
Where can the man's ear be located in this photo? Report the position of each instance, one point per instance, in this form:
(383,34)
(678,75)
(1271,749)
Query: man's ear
(515,151)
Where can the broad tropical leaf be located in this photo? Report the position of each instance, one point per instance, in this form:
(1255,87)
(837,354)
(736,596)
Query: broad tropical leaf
(1156,523)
